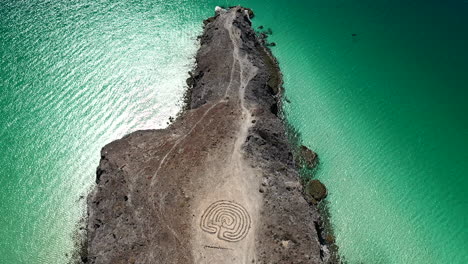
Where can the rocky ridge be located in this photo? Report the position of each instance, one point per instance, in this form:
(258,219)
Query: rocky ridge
(220,184)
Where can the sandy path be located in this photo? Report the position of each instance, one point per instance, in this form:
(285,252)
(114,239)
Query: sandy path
(226,212)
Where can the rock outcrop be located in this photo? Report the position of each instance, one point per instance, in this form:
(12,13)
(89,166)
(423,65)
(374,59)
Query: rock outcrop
(219,185)
(307,157)
(315,191)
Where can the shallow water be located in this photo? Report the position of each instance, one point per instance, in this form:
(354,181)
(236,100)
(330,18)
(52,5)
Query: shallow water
(385,110)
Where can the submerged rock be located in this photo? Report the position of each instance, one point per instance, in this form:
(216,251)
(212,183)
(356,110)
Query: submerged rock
(307,157)
(316,190)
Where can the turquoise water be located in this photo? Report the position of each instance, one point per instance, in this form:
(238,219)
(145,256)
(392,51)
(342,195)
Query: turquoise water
(75,76)
(385,110)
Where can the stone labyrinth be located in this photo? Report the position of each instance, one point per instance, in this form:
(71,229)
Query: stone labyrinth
(229,220)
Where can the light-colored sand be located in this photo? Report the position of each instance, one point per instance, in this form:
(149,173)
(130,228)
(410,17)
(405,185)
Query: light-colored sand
(237,182)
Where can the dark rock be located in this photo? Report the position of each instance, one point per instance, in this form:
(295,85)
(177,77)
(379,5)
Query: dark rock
(190,80)
(316,190)
(99,172)
(209,20)
(330,239)
(274,109)
(250,12)
(307,157)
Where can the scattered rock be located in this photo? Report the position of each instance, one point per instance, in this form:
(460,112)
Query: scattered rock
(291,185)
(190,80)
(285,243)
(330,239)
(316,190)
(257,111)
(209,20)
(307,157)
(250,12)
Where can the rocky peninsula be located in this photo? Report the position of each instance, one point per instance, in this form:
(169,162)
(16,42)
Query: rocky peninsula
(220,184)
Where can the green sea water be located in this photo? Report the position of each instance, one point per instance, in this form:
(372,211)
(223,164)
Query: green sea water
(385,109)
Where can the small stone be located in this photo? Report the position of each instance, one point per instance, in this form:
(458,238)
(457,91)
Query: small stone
(209,20)
(219,10)
(291,185)
(285,243)
(330,239)
(250,12)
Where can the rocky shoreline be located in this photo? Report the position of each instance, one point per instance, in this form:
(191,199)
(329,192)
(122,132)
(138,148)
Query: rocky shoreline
(221,184)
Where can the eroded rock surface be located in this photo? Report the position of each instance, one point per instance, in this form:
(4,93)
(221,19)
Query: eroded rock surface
(316,191)
(218,185)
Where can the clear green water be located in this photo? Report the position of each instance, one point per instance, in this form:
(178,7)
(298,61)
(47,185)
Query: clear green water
(385,110)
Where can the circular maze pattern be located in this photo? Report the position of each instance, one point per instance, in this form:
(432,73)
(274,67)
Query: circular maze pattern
(229,220)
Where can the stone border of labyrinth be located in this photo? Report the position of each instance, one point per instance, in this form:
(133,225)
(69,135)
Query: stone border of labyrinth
(229,220)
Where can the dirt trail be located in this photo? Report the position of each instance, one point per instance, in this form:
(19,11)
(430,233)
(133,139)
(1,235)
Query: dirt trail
(236,192)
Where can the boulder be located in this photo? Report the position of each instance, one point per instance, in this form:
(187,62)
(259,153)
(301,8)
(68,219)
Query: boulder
(307,157)
(316,190)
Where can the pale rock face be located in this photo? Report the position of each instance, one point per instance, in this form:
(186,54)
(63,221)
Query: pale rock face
(219,10)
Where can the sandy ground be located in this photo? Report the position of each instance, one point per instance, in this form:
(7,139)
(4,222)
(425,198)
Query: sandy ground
(236,184)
